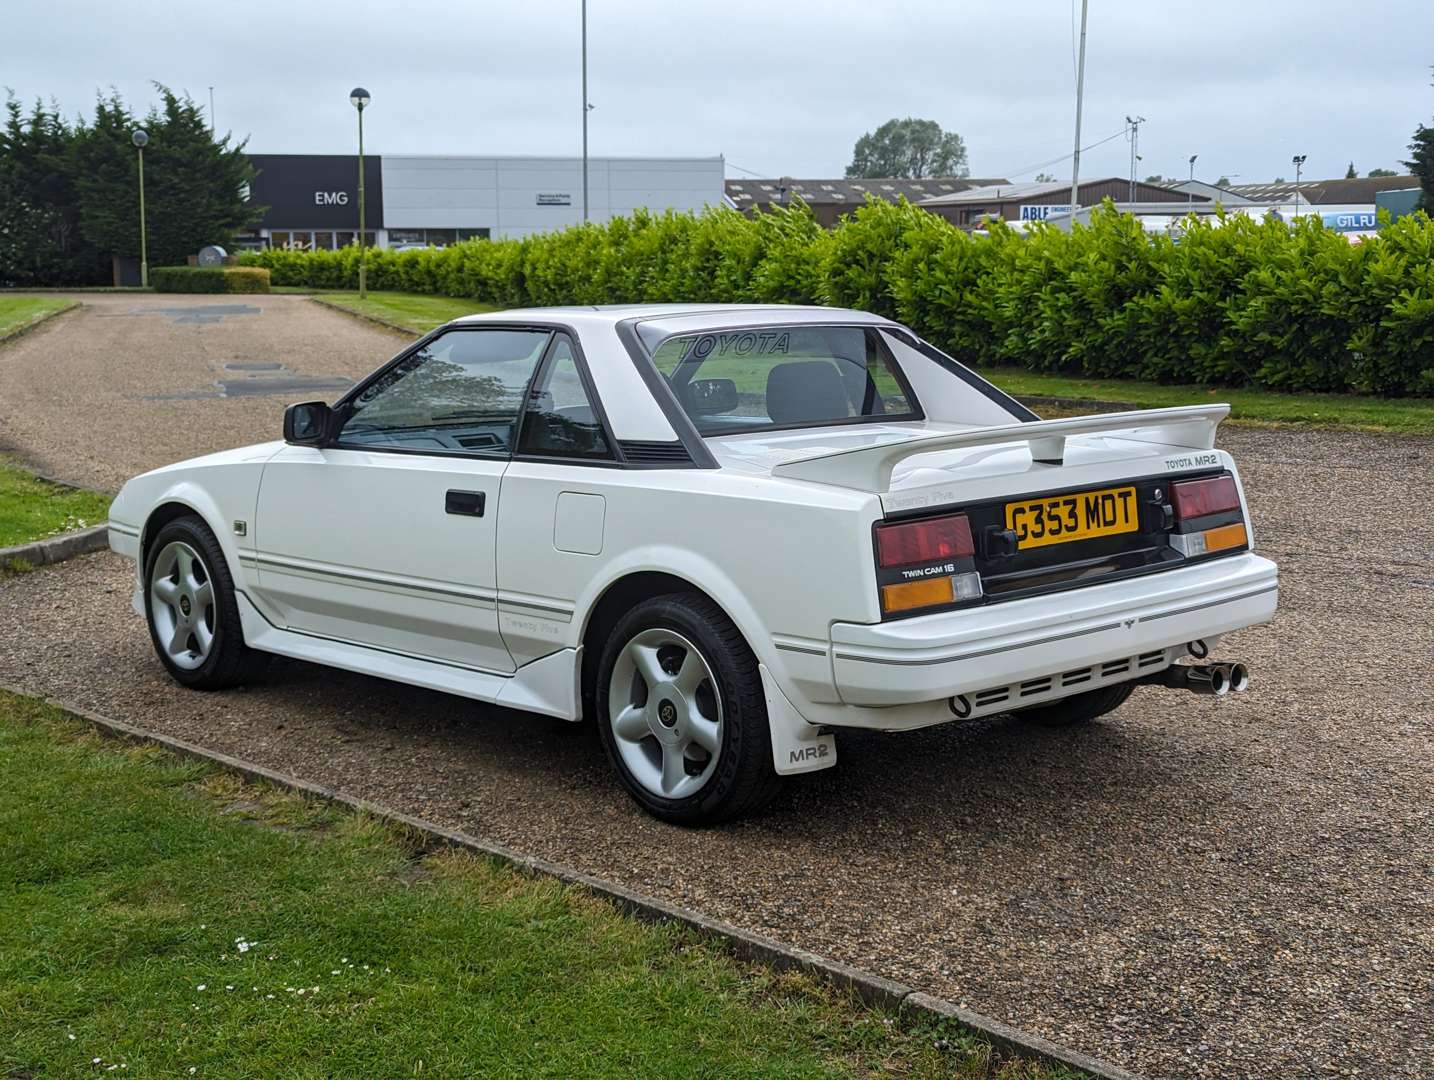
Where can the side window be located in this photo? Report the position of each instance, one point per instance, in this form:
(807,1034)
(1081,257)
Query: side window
(461,391)
(561,421)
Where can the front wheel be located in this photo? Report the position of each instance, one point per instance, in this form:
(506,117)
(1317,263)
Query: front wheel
(682,713)
(190,607)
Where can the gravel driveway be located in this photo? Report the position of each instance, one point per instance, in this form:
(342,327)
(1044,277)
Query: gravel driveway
(1187,887)
(132,381)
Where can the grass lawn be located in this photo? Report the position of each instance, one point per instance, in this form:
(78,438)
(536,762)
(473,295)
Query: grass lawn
(412,311)
(1409,416)
(164,917)
(18,312)
(32,509)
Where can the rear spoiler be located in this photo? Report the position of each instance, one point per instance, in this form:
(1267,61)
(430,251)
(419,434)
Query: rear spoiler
(868,468)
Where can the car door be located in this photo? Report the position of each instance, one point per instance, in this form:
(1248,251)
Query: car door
(386,535)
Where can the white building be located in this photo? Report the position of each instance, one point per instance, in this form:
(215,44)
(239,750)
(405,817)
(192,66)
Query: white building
(313,201)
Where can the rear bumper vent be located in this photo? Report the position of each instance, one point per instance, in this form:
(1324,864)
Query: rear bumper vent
(995,699)
(642,452)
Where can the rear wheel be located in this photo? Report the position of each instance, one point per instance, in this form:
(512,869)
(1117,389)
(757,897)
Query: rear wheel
(190,607)
(1079,708)
(682,714)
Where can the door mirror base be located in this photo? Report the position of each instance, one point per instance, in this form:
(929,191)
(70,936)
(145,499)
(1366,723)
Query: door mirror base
(307,423)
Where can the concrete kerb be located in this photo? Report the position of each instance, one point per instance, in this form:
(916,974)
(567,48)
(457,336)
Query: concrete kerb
(30,327)
(872,989)
(57,548)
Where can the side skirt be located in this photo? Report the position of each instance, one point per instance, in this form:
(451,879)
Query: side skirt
(547,686)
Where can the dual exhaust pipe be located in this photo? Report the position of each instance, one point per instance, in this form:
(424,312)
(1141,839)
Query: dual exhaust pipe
(1216,679)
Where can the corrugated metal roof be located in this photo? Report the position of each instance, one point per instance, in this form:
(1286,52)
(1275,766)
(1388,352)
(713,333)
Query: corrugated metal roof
(1329,192)
(751,192)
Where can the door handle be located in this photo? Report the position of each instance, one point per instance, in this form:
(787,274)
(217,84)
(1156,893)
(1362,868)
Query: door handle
(469,503)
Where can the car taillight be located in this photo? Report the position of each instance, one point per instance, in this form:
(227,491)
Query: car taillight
(926,564)
(1199,498)
(924,541)
(1193,499)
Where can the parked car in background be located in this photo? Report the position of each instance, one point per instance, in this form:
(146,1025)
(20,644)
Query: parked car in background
(723,534)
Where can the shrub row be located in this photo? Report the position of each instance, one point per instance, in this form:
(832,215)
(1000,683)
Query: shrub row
(210,279)
(1240,301)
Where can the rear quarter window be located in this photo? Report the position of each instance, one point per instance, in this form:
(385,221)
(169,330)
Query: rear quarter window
(771,377)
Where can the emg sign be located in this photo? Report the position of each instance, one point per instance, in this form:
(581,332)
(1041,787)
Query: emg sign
(1041,211)
(331,198)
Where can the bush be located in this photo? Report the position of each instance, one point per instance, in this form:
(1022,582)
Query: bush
(1238,301)
(210,279)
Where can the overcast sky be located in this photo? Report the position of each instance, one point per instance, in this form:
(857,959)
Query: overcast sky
(777,88)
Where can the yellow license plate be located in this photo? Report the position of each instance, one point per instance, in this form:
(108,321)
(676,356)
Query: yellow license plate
(1063,518)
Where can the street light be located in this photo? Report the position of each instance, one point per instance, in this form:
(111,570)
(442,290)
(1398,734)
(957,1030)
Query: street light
(1190,191)
(140,138)
(1080,100)
(587,108)
(1298,161)
(359,99)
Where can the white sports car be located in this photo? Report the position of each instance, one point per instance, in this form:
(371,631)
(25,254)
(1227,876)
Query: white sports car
(722,533)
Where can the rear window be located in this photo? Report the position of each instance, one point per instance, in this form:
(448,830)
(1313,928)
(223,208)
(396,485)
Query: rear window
(783,377)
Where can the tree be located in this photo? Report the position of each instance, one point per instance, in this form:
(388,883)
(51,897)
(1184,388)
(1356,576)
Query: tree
(194,182)
(1421,163)
(1157,179)
(40,242)
(1381,172)
(1224,181)
(1351,173)
(910,148)
(1045,178)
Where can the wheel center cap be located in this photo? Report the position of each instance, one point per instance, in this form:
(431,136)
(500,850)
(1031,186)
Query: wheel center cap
(666,713)
(184,605)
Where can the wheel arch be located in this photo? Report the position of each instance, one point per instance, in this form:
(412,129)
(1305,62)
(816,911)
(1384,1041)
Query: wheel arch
(158,518)
(619,596)
(186,500)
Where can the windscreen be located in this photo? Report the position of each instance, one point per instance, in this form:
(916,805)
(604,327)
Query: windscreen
(783,377)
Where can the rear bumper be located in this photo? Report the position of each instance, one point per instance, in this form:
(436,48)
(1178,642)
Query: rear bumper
(937,656)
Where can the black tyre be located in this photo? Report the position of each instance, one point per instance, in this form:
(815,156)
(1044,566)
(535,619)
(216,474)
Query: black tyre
(1079,708)
(682,714)
(190,607)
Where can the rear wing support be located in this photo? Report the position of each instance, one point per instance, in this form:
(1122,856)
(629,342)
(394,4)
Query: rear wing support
(869,468)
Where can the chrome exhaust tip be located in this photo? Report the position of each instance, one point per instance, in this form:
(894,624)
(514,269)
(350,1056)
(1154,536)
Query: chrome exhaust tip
(1208,680)
(1238,675)
(1197,678)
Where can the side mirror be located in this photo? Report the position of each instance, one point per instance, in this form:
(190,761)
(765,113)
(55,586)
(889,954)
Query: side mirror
(307,424)
(711,396)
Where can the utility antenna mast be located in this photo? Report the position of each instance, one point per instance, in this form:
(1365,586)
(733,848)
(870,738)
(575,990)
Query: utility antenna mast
(1134,123)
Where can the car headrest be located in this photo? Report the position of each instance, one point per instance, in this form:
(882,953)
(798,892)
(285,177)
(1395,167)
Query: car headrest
(805,390)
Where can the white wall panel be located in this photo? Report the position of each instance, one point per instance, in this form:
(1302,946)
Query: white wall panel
(501,193)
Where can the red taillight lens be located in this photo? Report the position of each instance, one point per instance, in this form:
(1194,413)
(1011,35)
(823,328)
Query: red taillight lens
(924,541)
(1197,498)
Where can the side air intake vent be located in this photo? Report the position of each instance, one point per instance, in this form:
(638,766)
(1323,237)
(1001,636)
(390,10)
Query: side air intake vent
(640,452)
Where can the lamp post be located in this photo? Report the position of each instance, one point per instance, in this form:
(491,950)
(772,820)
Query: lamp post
(359,99)
(140,138)
(1080,100)
(1190,191)
(587,108)
(1298,161)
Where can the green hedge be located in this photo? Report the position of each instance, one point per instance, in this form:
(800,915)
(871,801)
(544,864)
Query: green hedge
(1239,302)
(210,279)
